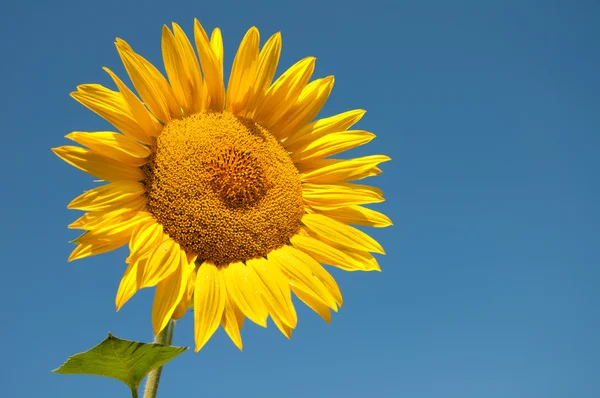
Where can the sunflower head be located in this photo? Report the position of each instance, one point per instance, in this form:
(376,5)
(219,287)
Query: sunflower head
(229,199)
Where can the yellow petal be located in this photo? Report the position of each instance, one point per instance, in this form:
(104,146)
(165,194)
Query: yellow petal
(93,248)
(369,262)
(148,82)
(107,236)
(239,315)
(274,288)
(326,196)
(149,126)
(316,304)
(322,127)
(341,233)
(113,145)
(144,239)
(90,219)
(185,302)
(124,224)
(216,44)
(112,106)
(230,324)
(243,71)
(318,272)
(176,70)
(163,261)
(344,170)
(91,243)
(113,195)
(358,215)
(365,258)
(163,86)
(292,262)
(186,51)
(360,187)
(284,92)
(348,175)
(209,303)
(96,220)
(168,294)
(129,283)
(210,67)
(283,328)
(374,171)
(309,103)
(115,228)
(326,254)
(332,144)
(244,294)
(267,65)
(97,165)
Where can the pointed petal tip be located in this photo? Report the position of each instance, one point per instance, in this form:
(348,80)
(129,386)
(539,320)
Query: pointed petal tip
(200,346)
(156,327)
(122,44)
(74,255)
(239,345)
(119,304)
(72,135)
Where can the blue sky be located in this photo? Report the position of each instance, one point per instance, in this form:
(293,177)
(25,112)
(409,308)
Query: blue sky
(490,285)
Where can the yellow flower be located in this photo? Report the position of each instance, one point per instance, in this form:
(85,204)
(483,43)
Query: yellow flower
(227,198)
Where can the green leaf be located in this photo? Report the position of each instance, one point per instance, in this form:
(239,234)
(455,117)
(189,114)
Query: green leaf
(124,360)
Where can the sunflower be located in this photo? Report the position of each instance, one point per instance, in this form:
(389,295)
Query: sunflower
(227,198)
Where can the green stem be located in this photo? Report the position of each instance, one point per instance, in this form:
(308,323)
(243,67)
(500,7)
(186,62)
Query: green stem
(164,337)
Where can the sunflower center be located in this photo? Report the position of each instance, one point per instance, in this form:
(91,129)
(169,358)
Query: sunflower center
(238,178)
(223,188)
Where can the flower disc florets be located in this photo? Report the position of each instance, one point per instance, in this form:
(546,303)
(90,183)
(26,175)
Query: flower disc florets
(223,187)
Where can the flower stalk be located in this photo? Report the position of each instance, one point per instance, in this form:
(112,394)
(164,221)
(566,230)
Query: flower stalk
(165,337)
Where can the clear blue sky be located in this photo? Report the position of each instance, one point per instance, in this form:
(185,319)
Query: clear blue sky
(491,113)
